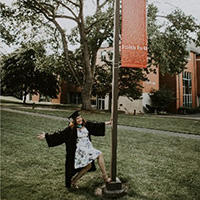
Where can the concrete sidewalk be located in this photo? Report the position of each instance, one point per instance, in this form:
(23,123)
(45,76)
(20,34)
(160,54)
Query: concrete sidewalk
(144,130)
(183,116)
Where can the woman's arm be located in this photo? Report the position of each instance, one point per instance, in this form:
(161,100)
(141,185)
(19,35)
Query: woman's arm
(55,139)
(97,128)
(108,122)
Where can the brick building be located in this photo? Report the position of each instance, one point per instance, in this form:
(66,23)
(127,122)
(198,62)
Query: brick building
(186,87)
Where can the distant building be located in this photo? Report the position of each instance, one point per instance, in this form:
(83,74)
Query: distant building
(69,94)
(186,87)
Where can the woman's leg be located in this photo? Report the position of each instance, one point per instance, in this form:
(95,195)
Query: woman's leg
(101,163)
(81,173)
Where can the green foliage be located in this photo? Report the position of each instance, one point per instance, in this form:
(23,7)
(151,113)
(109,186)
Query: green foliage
(167,50)
(21,76)
(170,53)
(182,24)
(168,41)
(19,25)
(187,110)
(39,20)
(129,81)
(5,33)
(162,98)
(57,64)
(102,81)
(90,33)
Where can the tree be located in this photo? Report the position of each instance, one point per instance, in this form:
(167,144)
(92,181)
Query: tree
(167,41)
(92,31)
(102,81)
(162,98)
(129,81)
(20,76)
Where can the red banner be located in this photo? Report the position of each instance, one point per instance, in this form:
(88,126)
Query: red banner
(134,34)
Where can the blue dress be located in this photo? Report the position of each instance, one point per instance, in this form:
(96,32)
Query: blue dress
(85,152)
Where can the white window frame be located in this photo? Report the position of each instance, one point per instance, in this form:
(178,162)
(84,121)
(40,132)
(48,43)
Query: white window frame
(101,103)
(187,89)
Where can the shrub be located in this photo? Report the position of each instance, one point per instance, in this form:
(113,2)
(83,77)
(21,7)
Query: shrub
(188,110)
(162,98)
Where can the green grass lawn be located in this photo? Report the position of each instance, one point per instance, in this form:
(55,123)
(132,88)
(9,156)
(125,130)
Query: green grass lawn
(152,166)
(158,122)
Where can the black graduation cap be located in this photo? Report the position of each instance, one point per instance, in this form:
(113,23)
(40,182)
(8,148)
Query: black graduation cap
(74,115)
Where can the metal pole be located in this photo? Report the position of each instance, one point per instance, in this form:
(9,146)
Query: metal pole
(114,188)
(115,92)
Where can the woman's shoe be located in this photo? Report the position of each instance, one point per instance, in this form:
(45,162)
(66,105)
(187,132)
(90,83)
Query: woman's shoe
(105,178)
(74,185)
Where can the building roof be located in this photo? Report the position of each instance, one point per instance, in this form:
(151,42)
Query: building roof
(194,49)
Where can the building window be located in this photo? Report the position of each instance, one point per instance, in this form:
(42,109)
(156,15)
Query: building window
(74,98)
(103,55)
(187,89)
(110,55)
(100,103)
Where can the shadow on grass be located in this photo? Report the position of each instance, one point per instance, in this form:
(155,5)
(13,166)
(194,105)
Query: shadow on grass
(89,191)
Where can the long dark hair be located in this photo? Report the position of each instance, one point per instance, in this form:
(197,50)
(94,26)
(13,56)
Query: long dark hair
(73,123)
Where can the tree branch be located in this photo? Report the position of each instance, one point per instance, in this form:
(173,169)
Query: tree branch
(66,51)
(161,16)
(75,4)
(80,17)
(66,17)
(68,8)
(88,29)
(103,4)
(40,9)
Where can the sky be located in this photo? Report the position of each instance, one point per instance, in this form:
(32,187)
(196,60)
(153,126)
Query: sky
(189,7)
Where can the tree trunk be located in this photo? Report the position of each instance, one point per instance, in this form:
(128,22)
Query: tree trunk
(86,102)
(66,52)
(24,99)
(88,72)
(86,92)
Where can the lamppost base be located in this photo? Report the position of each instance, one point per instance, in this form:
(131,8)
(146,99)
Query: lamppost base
(114,189)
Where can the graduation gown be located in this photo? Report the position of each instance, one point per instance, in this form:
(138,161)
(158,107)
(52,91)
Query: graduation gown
(68,136)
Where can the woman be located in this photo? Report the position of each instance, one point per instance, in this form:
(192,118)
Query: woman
(80,154)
